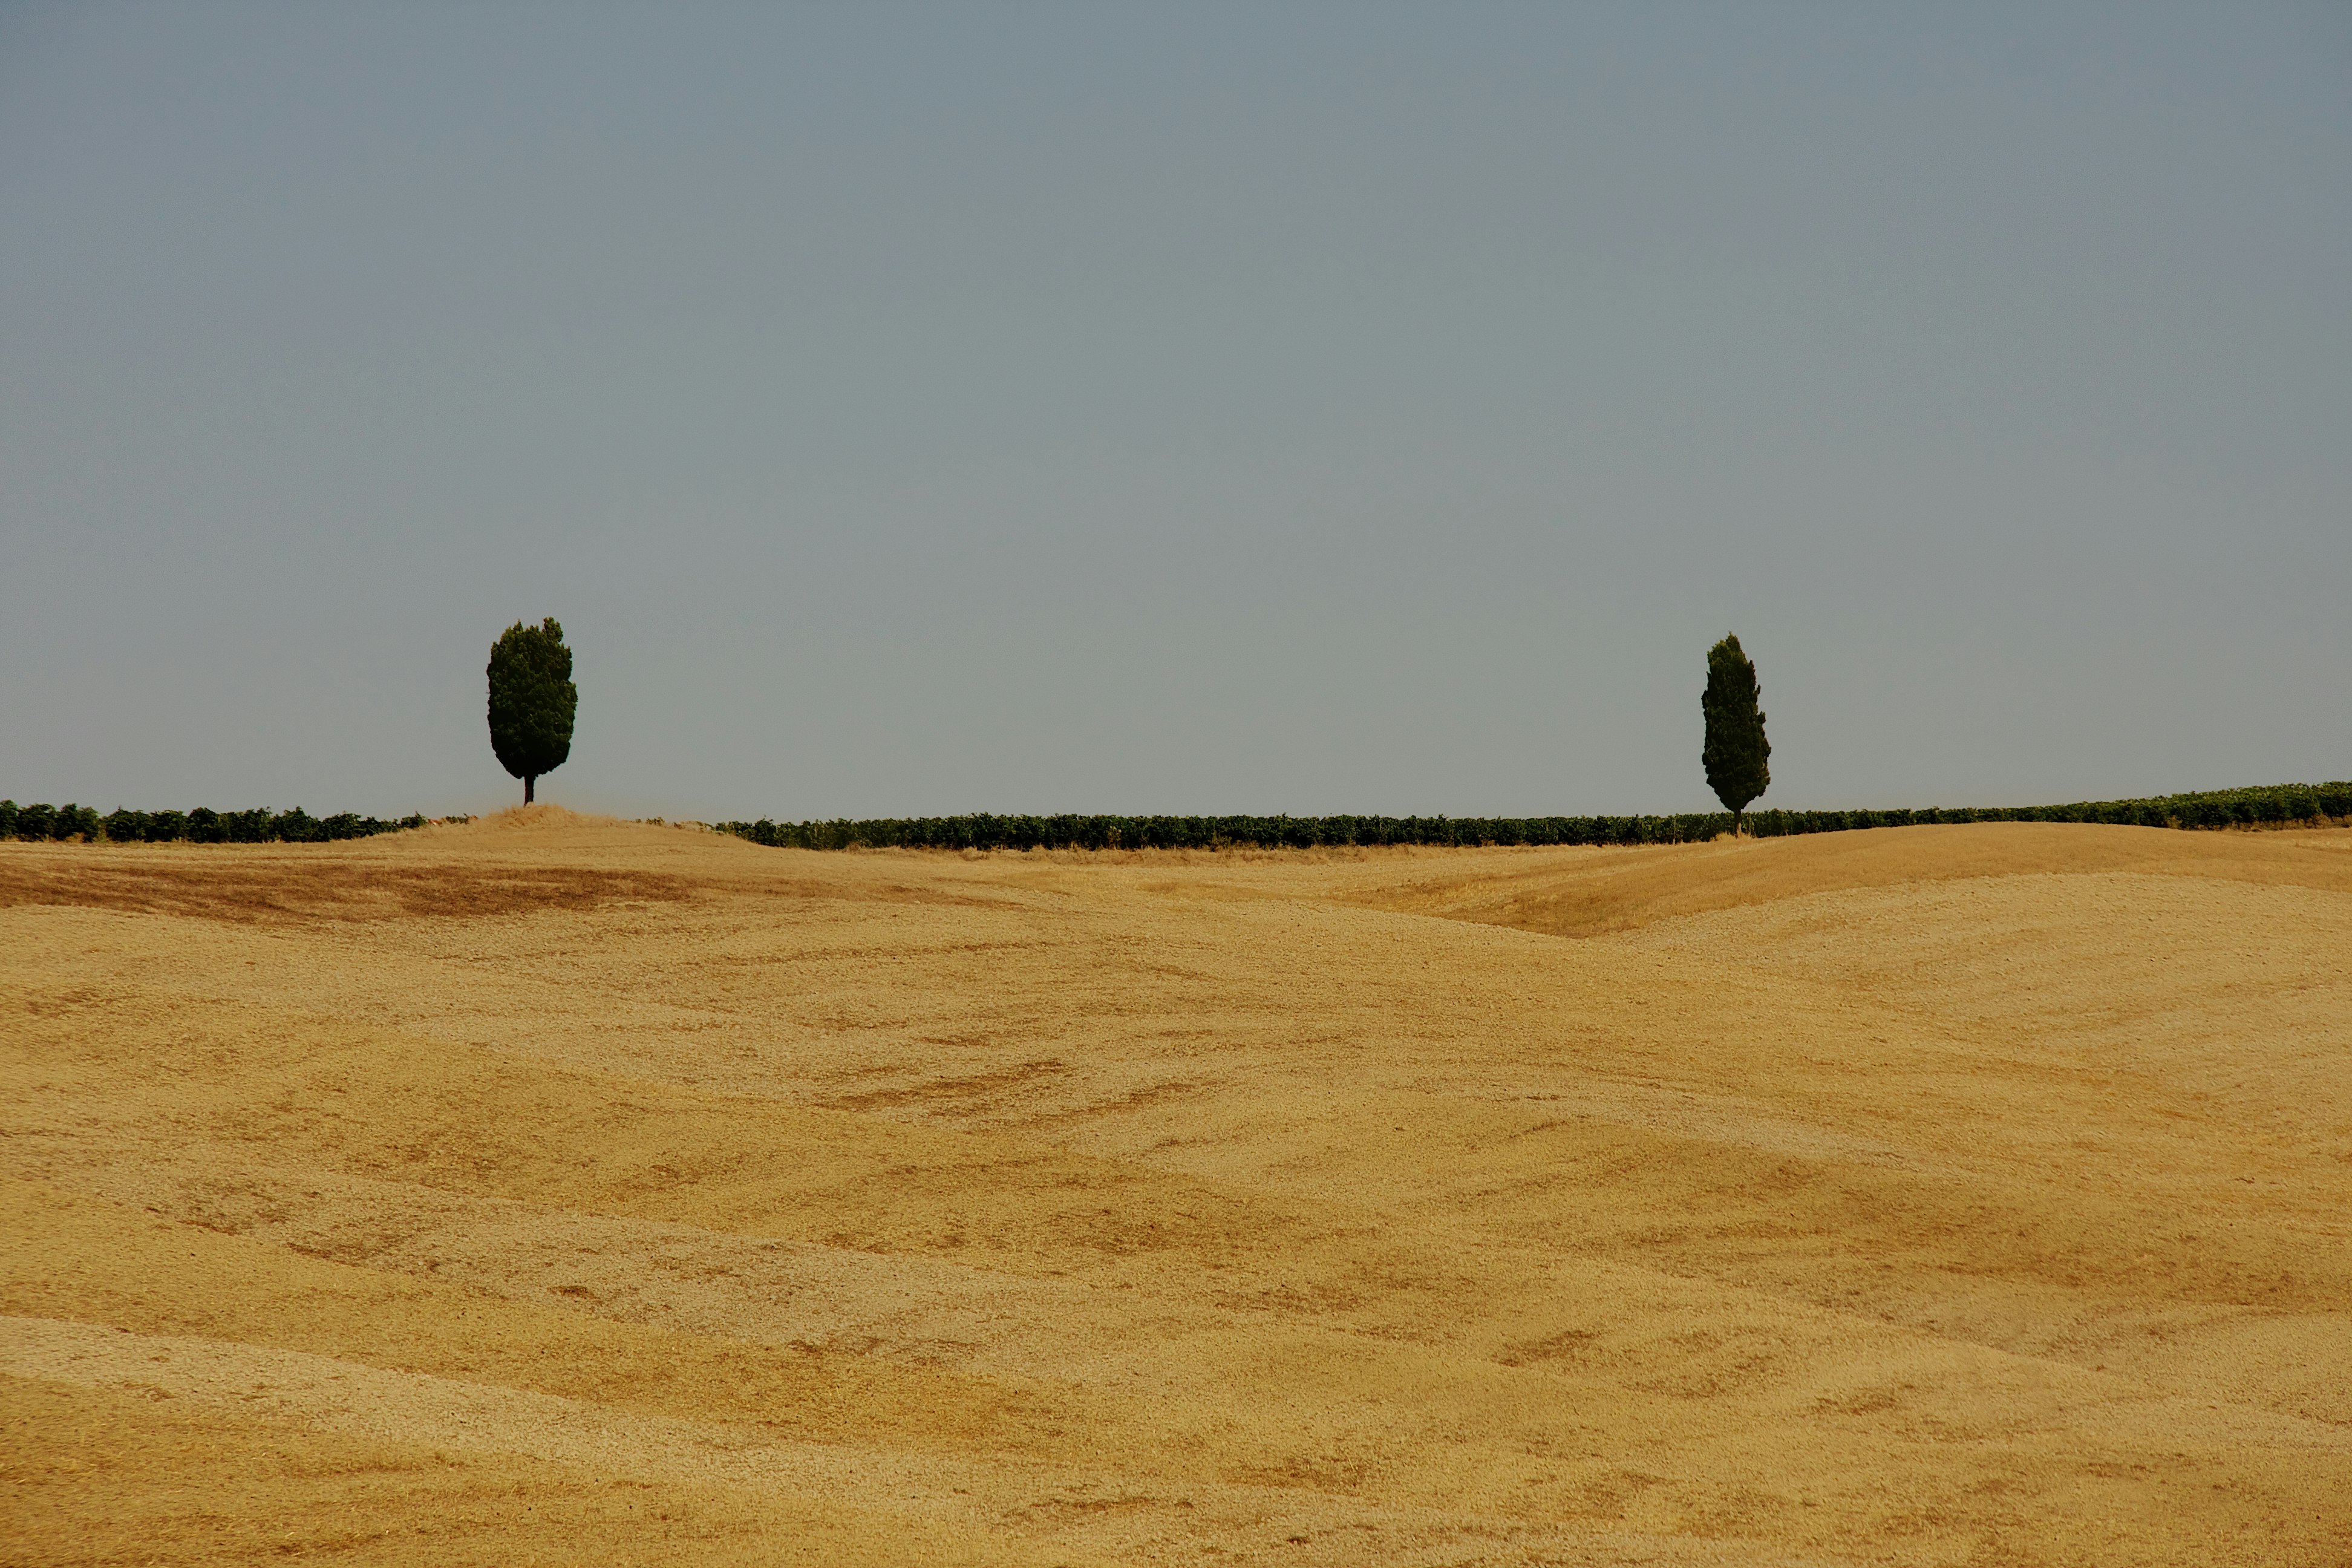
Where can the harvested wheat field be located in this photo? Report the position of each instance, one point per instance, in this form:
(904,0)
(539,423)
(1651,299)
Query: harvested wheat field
(562,1189)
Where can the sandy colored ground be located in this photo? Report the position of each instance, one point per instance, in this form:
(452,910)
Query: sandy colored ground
(555,1190)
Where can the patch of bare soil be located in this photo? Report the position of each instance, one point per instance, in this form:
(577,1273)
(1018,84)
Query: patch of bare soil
(1928,1196)
(1593,892)
(286,886)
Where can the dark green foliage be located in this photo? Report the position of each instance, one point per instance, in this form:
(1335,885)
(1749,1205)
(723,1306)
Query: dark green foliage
(254,826)
(202,826)
(57,822)
(533,701)
(2266,805)
(2262,805)
(987,831)
(2223,808)
(1735,751)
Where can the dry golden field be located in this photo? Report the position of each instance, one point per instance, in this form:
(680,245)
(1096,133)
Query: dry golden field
(554,1190)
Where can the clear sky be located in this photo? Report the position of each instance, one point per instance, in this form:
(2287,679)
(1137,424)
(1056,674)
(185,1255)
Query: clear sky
(1180,408)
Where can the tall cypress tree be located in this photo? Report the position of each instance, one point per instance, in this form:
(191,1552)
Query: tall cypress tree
(1736,748)
(533,701)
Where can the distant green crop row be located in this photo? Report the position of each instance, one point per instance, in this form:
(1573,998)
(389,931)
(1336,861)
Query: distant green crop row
(2218,808)
(202,826)
(2266,805)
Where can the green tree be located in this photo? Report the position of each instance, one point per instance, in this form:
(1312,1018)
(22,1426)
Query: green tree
(1736,748)
(533,701)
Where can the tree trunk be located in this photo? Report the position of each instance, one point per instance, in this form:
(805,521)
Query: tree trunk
(529,780)
(1737,818)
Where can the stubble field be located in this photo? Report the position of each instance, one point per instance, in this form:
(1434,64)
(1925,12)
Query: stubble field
(561,1190)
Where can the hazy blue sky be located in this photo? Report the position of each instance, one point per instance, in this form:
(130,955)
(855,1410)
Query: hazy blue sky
(1188,408)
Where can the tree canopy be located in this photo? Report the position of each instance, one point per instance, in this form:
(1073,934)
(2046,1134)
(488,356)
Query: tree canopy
(1736,750)
(533,701)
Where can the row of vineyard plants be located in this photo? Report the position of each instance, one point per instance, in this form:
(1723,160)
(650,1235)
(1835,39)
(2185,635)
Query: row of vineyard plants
(2268,805)
(202,826)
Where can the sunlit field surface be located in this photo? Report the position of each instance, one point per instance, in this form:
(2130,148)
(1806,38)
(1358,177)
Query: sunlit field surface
(554,1189)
